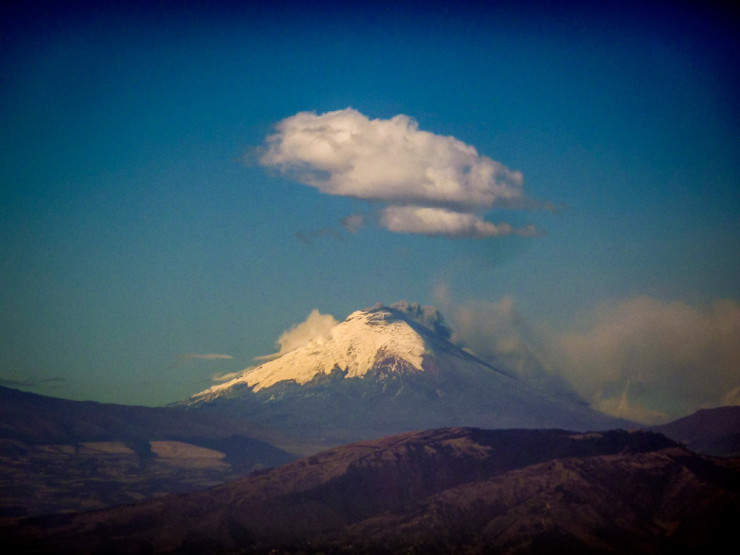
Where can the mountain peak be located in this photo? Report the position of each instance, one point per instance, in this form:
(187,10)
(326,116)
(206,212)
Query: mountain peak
(378,337)
(427,316)
(387,369)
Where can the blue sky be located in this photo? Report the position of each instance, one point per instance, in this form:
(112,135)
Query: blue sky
(139,226)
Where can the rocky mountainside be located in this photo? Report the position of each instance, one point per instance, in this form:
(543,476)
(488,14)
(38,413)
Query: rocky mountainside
(440,491)
(58,455)
(387,370)
(708,431)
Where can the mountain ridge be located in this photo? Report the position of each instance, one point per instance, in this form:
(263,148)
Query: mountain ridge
(714,431)
(62,455)
(445,490)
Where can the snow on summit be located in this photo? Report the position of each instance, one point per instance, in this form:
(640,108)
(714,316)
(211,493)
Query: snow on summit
(384,370)
(365,340)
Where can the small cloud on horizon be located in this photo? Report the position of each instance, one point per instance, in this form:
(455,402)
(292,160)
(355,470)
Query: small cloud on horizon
(31,383)
(429,184)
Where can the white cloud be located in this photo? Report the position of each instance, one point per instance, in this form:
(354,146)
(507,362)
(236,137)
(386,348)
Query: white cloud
(315,325)
(446,182)
(440,221)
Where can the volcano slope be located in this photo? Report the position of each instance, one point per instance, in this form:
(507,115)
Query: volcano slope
(450,490)
(383,371)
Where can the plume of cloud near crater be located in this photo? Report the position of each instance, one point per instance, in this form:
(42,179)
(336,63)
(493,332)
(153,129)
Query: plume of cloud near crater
(673,354)
(229,375)
(427,316)
(315,325)
(497,333)
(641,358)
(430,184)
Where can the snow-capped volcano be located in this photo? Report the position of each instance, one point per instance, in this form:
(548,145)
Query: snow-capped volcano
(386,370)
(366,340)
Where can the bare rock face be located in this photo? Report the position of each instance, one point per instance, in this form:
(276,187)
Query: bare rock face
(441,491)
(387,370)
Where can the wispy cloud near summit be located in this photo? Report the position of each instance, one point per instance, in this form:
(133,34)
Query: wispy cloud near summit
(430,184)
(314,326)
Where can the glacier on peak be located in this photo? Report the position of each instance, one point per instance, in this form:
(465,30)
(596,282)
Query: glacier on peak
(366,339)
